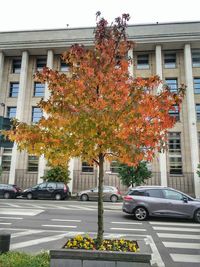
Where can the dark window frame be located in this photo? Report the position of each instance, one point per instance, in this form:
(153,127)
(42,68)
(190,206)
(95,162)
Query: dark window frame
(14,89)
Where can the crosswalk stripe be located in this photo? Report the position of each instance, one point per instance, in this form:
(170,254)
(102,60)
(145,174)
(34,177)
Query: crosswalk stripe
(61,226)
(175,224)
(127,229)
(181,236)
(185,258)
(127,223)
(11,218)
(181,245)
(62,220)
(176,229)
(5,223)
(36,241)
(29,232)
(13,205)
(17,211)
(79,207)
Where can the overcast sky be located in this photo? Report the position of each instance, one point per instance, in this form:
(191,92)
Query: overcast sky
(47,14)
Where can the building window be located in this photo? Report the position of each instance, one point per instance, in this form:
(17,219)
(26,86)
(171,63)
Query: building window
(11,112)
(6,159)
(197,85)
(36,114)
(14,89)
(40,63)
(16,66)
(39,89)
(86,167)
(114,166)
(175,157)
(143,61)
(196,59)
(170,60)
(198,112)
(32,163)
(173,84)
(175,112)
(64,67)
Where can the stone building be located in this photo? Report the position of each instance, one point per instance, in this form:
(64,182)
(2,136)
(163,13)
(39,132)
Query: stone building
(171,50)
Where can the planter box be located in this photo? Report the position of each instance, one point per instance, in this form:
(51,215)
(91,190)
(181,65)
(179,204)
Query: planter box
(91,258)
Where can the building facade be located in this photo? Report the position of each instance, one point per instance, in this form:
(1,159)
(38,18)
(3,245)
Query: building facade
(170,50)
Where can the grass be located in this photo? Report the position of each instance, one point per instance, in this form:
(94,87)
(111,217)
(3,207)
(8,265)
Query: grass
(18,259)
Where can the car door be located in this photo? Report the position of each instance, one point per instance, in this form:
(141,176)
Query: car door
(93,194)
(42,190)
(51,190)
(179,206)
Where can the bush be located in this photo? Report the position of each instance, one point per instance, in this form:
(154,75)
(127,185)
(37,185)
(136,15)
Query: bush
(18,259)
(57,174)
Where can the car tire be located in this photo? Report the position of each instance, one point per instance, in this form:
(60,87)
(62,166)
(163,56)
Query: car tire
(197,215)
(113,198)
(29,196)
(84,197)
(58,197)
(141,213)
(6,195)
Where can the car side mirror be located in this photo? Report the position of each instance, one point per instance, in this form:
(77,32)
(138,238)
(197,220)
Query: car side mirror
(185,199)
(91,190)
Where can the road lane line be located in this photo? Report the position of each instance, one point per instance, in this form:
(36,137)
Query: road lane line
(5,223)
(176,229)
(185,258)
(181,245)
(181,236)
(63,220)
(175,224)
(29,232)
(127,223)
(62,226)
(11,218)
(127,229)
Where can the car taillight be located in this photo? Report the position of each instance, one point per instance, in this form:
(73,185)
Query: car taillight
(65,188)
(128,198)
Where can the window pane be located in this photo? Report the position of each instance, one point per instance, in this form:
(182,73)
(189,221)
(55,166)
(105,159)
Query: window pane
(40,63)
(175,112)
(14,89)
(175,156)
(143,61)
(196,59)
(198,112)
(32,163)
(114,166)
(64,67)
(86,167)
(36,114)
(6,159)
(197,85)
(154,193)
(11,112)
(170,60)
(16,66)
(39,89)
(170,194)
(173,84)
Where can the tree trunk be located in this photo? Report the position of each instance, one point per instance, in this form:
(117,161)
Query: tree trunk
(100,201)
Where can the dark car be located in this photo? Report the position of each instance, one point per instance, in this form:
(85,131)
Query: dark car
(47,190)
(160,201)
(9,191)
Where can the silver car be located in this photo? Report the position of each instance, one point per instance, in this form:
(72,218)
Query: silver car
(144,201)
(110,193)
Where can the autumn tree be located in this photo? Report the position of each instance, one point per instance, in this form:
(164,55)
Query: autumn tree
(98,111)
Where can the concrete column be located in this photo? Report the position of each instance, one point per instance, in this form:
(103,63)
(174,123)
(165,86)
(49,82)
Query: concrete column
(1,100)
(20,110)
(42,160)
(162,155)
(130,55)
(192,126)
(71,174)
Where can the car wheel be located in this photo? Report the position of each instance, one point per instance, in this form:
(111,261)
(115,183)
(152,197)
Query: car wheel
(58,197)
(29,196)
(113,198)
(141,213)
(197,216)
(6,195)
(84,197)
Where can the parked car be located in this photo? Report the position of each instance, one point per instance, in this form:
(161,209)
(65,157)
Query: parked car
(53,190)
(144,201)
(9,191)
(110,193)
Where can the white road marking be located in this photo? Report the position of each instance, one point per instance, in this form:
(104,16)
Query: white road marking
(127,223)
(20,212)
(181,236)
(62,220)
(61,226)
(13,205)
(185,258)
(156,257)
(11,218)
(36,241)
(181,245)
(127,229)
(176,229)
(79,207)
(28,232)
(175,224)
(5,223)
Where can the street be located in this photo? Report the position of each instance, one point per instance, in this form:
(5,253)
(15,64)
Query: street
(37,225)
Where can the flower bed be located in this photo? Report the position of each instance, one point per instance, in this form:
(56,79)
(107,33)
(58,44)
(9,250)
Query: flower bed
(82,251)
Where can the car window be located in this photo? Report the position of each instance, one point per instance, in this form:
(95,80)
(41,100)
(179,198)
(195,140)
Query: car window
(42,186)
(60,185)
(170,194)
(154,193)
(94,190)
(108,189)
(51,186)
(136,193)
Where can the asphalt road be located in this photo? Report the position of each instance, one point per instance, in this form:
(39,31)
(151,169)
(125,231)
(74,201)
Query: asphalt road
(37,225)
